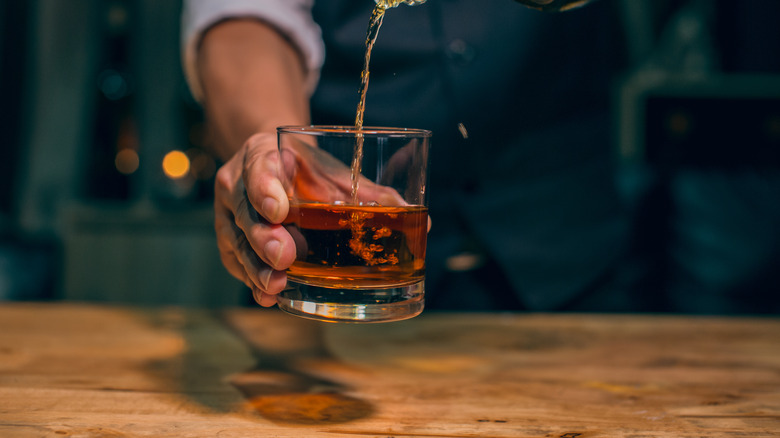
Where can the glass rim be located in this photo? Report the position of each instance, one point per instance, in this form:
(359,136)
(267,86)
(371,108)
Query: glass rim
(351,131)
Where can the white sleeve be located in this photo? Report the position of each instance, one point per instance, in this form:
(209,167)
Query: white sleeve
(290,17)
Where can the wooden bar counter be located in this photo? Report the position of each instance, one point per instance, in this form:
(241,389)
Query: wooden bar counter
(86,370)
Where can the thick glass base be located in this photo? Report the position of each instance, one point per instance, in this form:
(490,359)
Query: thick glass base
(353,305)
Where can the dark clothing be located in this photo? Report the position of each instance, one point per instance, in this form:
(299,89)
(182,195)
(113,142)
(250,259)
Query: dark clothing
(531,189)
(530,195)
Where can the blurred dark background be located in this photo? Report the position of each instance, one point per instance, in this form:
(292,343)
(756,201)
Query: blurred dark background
(94,102)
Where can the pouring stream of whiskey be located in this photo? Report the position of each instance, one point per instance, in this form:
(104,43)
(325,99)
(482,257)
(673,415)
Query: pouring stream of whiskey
(374,23)
(357,223)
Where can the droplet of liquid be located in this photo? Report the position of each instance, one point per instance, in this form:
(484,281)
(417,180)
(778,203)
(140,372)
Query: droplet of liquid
(463,131)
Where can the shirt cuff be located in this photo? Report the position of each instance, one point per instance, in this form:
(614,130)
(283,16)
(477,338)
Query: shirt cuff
(292,18)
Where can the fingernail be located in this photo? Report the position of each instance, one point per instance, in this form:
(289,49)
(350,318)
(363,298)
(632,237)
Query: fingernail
(257,294)
(270,208)
(273,252)
(264,276)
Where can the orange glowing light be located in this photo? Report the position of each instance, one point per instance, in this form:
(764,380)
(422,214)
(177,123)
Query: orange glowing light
(176,164)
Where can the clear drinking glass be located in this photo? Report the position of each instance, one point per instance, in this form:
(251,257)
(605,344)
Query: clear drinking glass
(360,253)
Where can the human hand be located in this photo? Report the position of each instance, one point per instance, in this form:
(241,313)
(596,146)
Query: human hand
(249,205)
(313,175)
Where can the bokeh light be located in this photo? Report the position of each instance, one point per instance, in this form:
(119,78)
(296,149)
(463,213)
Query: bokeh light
(176,164)
(126,161)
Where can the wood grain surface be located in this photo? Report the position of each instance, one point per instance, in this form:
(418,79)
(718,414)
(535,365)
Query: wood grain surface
(79,370)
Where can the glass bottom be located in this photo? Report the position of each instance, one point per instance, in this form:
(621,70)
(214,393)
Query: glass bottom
(353,305)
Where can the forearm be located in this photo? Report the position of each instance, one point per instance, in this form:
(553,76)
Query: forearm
(253,80)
